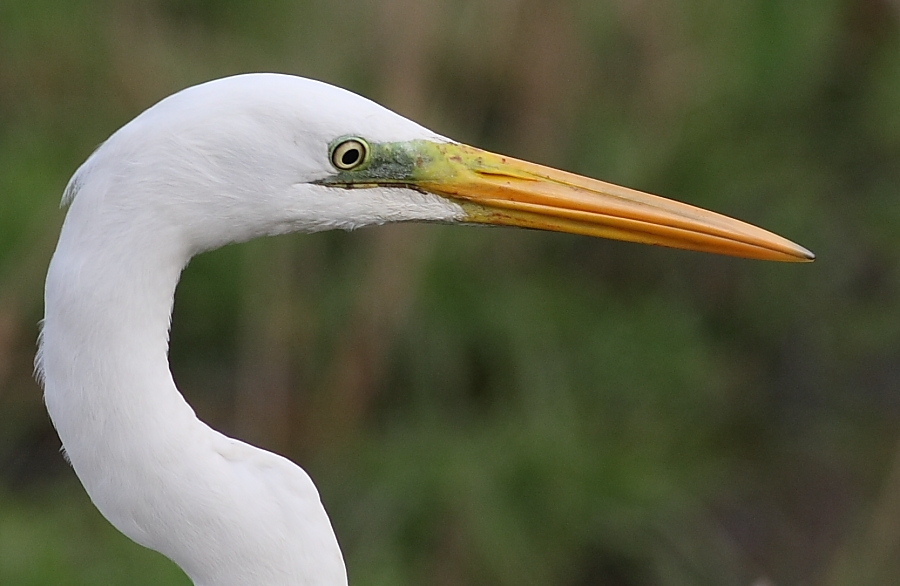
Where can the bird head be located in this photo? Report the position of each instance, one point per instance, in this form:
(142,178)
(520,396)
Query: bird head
(266,153)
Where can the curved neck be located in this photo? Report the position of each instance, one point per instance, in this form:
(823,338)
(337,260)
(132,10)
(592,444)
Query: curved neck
(229,514)
(105,342)
(103,358)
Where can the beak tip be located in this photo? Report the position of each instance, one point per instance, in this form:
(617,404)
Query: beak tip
(805,255)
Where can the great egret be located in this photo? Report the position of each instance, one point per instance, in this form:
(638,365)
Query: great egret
(231,160)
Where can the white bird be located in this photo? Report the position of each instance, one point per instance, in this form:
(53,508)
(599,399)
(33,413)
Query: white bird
(235,159)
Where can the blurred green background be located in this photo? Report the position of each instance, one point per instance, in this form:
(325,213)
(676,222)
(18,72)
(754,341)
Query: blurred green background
(496,407)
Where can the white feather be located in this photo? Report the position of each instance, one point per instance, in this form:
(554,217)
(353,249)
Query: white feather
(225,161)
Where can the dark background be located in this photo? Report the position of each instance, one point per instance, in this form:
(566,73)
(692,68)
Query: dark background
(495,407)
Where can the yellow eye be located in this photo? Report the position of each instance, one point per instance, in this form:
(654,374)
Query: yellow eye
(349,154)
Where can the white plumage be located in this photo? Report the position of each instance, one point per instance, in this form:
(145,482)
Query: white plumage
(228,161)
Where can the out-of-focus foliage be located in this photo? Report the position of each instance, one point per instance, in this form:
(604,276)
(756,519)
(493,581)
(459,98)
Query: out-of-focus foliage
(504,407)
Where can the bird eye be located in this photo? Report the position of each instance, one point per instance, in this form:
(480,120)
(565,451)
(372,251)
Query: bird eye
(349,153)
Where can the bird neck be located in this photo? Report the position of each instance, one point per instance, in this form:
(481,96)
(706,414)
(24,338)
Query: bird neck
(105,339)
(103,359)
(228,513)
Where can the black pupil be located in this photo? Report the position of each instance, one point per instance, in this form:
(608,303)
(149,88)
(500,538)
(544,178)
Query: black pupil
(350,156)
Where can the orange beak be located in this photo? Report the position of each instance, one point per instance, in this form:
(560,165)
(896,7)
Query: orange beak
(495,189)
